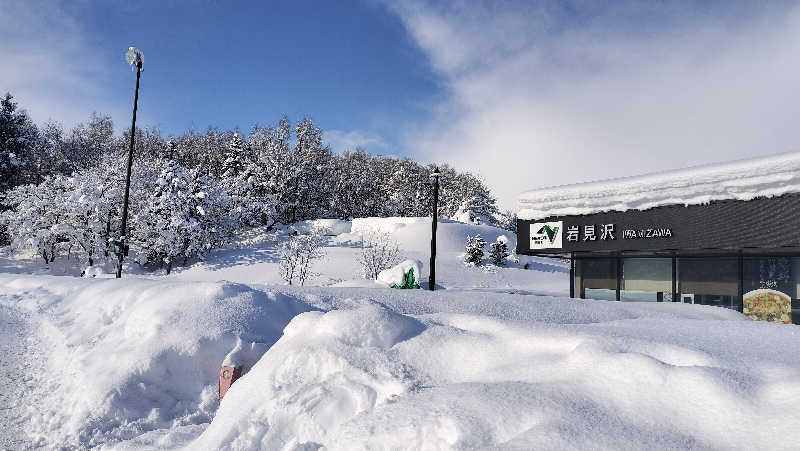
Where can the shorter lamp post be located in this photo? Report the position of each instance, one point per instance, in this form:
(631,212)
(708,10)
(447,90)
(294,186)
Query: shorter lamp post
(134,57)
(434,221)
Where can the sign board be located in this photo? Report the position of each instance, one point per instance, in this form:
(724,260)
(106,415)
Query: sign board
(547,235)
(728,224)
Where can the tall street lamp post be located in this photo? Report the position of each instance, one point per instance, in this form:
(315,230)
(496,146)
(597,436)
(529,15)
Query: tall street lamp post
(134,57)
(434,221)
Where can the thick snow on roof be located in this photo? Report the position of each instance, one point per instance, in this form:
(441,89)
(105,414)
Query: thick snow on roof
(741,180)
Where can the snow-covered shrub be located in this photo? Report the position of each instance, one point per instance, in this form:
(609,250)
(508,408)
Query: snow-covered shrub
(499,251)
(298,254)
(405,275)
(474,250)
(378,252)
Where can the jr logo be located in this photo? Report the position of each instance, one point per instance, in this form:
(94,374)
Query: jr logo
(546,235)
(549,231)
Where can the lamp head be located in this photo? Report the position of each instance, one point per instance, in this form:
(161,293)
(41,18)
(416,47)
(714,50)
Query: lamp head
(434,176)
(134,57)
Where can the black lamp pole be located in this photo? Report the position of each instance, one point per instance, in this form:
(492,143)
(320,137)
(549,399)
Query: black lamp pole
(434,221)
(122,243)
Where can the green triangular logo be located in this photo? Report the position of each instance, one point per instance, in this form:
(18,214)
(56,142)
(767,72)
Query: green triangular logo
(550,232)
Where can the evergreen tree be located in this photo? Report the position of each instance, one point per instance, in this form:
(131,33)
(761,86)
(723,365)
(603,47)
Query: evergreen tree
(499,251)
(18,137)
(474,250)
(234,161)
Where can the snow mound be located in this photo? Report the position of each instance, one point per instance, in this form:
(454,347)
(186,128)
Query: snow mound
(331,226)
(135,355)
(414,234)
(327,369)
(395,276)
(740,180)
(245,354)
(515,377)
(385,225)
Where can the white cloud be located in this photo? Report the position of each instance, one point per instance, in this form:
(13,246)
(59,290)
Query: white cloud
(569,92)
(341,141)
(49,65)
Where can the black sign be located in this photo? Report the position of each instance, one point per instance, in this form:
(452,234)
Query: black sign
(731,224)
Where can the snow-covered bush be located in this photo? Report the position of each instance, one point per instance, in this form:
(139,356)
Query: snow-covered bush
(298,254)
(474,250)
(499,251)
(378,252)
(405,275)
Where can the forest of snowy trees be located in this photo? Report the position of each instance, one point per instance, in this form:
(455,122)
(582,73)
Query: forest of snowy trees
(61,191)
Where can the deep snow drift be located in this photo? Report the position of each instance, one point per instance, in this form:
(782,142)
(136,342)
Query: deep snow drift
(127,356)
(133,364)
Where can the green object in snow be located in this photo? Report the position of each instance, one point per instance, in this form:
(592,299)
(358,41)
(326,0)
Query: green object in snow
(409,282)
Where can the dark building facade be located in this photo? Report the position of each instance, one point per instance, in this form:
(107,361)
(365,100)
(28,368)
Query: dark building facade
(742,255)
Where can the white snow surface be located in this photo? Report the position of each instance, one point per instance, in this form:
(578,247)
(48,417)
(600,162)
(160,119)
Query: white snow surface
(740,180)
(330,226)
(394,275)
(129,356)
(498,358)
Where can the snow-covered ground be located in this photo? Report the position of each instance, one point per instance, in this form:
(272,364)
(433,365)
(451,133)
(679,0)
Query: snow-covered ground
(500,358)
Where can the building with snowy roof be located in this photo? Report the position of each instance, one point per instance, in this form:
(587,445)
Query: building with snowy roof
(726,235)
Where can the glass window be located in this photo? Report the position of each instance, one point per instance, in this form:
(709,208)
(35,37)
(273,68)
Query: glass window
(770,288)
(596,278)
(646,279)
(709,281)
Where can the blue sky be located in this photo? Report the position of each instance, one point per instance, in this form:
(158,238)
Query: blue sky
(350,65)
(524,93)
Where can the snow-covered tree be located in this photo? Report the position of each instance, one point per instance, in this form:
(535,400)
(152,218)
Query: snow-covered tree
(38,216)
(94,203)
(184,217)
(88,143)
(276,167)
(474,250)
(251,202)
(498,252)
(18,137)
(310,185)
(507,220)
(378,252)
(356,189)
(234,162)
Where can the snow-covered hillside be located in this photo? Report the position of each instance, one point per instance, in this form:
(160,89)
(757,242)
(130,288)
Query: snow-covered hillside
(255,259)
(499,357)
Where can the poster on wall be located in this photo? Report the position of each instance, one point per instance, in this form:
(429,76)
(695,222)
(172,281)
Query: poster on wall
(768,305)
